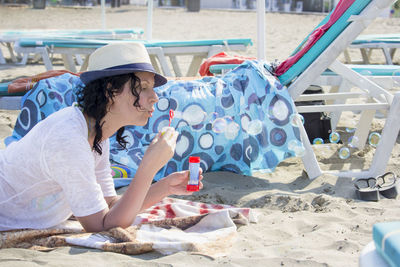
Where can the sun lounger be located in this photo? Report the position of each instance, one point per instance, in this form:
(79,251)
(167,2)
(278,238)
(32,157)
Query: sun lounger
(322,55)
(388,43)
(9,37)
(158,50)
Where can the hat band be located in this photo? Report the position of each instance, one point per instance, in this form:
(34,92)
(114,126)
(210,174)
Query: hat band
(138,66)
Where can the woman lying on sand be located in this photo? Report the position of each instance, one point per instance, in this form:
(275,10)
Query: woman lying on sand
(61,166)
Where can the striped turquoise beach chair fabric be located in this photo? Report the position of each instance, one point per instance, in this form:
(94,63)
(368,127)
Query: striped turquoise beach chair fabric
(330,35)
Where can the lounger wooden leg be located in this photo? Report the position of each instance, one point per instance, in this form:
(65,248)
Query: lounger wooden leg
(309,160)
(388,138)
(2,59)
(69,62)
(155,63)
(363,127)
(163,62)
(364,55)
(46,58)
(175,66)
(85,63)
(385,146)
(194,66)
(369,54)
(11,51)
(347,57)
(335,115)
(392,52)
(24,59)
(388,58)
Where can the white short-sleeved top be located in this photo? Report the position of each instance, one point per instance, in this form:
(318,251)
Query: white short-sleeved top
(52,173)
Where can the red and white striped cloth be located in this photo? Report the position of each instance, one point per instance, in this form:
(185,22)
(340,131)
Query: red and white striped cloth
(173,208)
(174,225)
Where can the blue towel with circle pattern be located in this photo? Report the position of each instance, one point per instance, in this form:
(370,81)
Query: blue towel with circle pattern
(240,122)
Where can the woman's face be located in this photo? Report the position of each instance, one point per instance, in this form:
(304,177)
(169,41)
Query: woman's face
(123,103)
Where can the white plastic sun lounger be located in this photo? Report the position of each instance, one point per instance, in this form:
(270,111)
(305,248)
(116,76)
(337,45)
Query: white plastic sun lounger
(322,56)
(9,37)
(388,43)
(158,50)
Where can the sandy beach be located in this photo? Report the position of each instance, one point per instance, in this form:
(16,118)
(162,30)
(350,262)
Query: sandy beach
(302,222)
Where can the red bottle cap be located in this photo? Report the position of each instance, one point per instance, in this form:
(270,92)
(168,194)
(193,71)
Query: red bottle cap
(192,187)
(194,159)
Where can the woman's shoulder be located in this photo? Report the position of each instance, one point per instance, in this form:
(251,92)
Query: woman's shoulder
(65,125)
(67,116)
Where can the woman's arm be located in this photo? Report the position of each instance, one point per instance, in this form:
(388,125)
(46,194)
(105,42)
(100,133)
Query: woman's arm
(124,211)
(173,184)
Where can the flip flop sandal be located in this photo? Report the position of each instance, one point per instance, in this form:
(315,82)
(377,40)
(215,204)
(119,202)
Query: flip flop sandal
(366,189)
(388,185)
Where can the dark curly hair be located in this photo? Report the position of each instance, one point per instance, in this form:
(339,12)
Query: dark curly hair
(94,98)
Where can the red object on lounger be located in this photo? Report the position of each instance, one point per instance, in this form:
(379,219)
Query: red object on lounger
(341,7)
(26,84)
(221,58)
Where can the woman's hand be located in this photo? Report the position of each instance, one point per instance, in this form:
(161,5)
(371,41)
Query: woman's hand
(161,149)
(178,181)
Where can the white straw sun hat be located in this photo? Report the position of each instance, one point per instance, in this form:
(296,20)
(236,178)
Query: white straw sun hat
(117,59)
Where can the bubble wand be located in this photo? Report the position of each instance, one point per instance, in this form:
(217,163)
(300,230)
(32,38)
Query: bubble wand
(171,116)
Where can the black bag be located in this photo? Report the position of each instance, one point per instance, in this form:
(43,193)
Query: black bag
(317,124)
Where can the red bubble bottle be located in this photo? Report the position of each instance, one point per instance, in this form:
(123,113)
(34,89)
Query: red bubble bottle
(194,167)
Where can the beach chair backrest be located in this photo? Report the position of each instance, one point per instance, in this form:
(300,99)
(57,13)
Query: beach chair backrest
(329,46)
(332,26)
